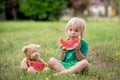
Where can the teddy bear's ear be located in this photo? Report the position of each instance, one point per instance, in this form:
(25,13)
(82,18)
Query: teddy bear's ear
(24,49)
(38,46)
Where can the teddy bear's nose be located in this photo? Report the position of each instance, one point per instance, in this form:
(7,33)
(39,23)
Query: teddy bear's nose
(35,54)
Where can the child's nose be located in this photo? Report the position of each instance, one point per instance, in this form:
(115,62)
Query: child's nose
(72,32)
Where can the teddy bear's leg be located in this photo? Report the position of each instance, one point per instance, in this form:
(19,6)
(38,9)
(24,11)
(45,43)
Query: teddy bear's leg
(31,70)
(24,64)
(46,69)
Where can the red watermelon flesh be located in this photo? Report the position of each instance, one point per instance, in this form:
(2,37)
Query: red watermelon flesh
(69,44)
(38,66)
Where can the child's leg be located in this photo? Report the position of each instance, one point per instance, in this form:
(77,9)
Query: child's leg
(55,64)
(83,64)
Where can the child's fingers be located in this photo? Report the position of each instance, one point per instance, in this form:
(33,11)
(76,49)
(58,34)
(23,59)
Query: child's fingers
(64,49)
(77,45)
(61,46)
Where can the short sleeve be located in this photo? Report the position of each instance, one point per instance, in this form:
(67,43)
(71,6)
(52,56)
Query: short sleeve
(84,48)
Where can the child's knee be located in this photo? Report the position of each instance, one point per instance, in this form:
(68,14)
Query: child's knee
(85,63)
(51,61)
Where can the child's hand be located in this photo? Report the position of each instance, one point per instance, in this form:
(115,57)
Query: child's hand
(64,49)
(77,46)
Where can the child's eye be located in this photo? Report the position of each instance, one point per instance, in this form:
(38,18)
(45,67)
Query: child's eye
(70,29)
(76,30)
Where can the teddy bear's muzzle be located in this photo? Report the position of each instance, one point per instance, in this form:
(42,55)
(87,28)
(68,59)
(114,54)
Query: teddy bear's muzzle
(34,56)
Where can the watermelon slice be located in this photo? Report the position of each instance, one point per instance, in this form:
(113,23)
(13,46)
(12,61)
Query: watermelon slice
(69,44)
(38,66)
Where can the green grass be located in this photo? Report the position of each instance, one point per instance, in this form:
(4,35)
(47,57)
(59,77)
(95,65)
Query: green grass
(102,36)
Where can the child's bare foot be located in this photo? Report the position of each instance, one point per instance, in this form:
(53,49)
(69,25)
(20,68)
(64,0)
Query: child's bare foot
(56,74)
(73,74)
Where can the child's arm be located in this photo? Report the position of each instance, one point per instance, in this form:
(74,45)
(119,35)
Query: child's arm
(79,55)
(61,56)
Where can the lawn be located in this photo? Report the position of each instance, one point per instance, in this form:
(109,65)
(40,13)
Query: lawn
(103,38)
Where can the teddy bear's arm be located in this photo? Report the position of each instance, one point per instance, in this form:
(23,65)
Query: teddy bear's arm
(40,60)
(24,64)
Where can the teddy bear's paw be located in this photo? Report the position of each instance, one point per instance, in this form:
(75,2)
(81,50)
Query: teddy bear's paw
(31,70)
(46,69)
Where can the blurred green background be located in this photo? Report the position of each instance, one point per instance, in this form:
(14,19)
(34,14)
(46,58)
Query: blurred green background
(52,10)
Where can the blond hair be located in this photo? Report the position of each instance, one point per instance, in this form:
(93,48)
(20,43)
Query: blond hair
(77,22)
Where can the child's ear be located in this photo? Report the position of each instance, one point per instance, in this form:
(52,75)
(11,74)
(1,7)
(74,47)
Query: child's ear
(38,46)
(24,49)
(81,35)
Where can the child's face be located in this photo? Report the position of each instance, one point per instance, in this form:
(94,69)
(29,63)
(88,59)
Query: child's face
(73,32)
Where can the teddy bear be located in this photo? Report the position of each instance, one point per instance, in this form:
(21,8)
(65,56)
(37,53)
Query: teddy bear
(31,52)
